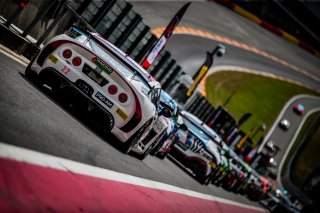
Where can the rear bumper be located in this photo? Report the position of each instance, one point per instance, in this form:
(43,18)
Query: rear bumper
(196,164)
(74,94)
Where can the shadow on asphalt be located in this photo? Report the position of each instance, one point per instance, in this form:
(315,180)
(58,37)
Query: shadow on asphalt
(175,162)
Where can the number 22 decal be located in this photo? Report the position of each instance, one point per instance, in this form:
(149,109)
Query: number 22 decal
(65,70)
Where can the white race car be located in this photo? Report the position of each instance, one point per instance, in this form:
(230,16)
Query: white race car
(96,77)
(152,138)
(145,146)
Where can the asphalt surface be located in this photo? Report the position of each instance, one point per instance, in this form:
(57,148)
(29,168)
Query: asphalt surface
(189,51)
(191,61)
(283,138)
(32,119)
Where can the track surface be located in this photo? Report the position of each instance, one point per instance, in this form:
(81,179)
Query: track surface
(284,138)
(31,119)
(189,51)
(60,185)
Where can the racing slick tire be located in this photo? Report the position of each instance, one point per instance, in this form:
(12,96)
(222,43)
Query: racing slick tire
(162,155)
(208,179)
(201,178)
(156,149)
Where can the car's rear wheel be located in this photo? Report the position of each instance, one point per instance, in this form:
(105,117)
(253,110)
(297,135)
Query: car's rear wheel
(209,178)
(162,155)
(127,146)
(156,149)
(201,178)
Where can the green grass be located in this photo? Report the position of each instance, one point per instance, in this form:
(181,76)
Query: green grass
(308,157)
(263,96)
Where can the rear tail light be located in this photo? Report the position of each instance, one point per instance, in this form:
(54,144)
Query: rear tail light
(123,98)
(76,61)
(67,53)
(49,49)
(136,118)
(112,89)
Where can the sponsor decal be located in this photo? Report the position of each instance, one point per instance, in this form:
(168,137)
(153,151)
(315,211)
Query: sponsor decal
(52,58)
(121,114)
(104,100)
(102,65)
(65,70)
(213,165)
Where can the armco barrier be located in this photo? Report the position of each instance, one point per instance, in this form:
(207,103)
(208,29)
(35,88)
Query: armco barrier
(269,27)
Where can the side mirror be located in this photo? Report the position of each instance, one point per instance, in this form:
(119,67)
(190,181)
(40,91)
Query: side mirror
(183,127)
(165,112)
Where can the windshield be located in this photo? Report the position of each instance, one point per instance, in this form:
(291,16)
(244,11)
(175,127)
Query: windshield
(169,102)
(111,54)
(205,128)
(131,67)
(195,130)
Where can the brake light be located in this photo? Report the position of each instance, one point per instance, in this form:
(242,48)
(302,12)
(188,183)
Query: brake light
(123,98)
(76,61)
(67,53)
(112,89)
(49,49)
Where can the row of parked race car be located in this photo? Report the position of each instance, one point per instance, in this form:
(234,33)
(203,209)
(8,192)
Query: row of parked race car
(96,78)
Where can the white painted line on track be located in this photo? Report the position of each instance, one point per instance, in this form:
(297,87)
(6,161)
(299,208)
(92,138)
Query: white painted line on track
(33,157)
(14,56)
(292,142)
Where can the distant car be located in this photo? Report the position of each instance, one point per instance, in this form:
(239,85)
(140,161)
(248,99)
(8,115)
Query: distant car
(284,124)
(149,141)
(272,162)
(223,170)
(171,134)
(298,108)
(208,130)
(272,148)
(234,176)
(196,150)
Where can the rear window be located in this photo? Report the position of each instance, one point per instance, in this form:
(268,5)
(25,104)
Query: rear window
(195,130)
(111,54)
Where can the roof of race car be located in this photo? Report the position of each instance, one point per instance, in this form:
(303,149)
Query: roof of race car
(120,54)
